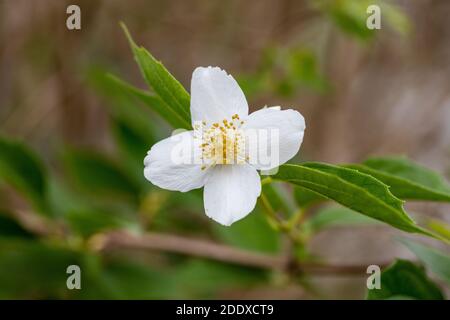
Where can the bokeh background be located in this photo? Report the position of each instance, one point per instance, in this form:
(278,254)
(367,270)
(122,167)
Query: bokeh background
(362,93)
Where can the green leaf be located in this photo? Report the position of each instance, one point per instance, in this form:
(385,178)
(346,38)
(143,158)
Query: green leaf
(406,179)
(302,68)
(306,198)
(131,141)
(252,233)
(279,202)
(11,228)
(89,222)
(122,104)
(396,18)
(352,189)
(336,216)
(32,270)
(436,261)
(125,279)
(162,82)
(438,226)
(201,279)
(349,15)
(150,100)
(21,168)
(98,175)
(405,279)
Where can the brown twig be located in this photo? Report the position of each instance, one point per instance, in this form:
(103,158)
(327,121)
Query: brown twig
(214,251)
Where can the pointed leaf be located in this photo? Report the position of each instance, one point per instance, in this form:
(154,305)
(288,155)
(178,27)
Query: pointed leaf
(352,189)
(435,260)
(21,168)
(96,174)
(150,100)
(406,179)
(162,82)
(405,279)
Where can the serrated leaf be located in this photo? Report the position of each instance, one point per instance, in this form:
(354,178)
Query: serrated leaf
(406,179)
(435,260)
(21,168)
(161,81)
(352,189)
(405,279)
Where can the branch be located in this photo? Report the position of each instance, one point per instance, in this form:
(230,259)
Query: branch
(215,251)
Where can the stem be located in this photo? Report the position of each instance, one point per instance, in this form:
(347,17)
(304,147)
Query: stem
(214,251)
(274,220)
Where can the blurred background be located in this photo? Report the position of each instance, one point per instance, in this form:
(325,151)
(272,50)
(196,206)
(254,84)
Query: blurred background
(362,93)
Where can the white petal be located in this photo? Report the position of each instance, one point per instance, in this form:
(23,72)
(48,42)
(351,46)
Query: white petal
(215,95)
(173,163)
(230,192)
(273,136)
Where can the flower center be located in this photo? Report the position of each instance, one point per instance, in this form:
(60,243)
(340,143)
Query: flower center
(222,142)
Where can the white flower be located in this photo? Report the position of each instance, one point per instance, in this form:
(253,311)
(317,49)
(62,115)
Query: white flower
(221,153)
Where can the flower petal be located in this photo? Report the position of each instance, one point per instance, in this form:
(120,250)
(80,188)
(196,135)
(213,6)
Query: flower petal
(215,96)
(273,136)
(173,163)
(230,192)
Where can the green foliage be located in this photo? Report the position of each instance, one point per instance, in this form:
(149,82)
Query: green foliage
(201,279)
(404,279)
(283,72)
(11,228)
(117,278)
(111,193)
(132,142)
(162,82)
(29,269)
(350,16)
(46,278)
(24,171)
(406,179)
(279,202)
(112,86)
(306,197)
(252,233)
(435,260)
(353,189)
(335,216)
(438,226)
(96,174)
(89,222)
